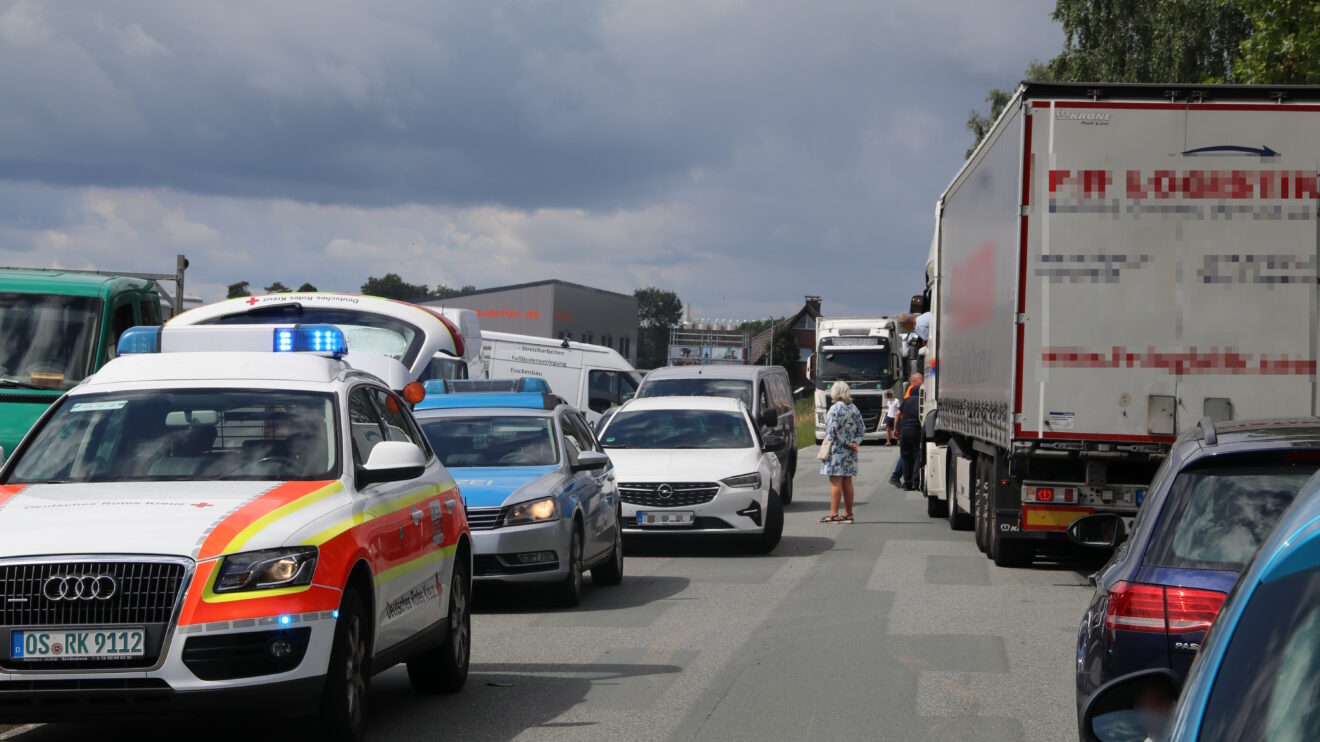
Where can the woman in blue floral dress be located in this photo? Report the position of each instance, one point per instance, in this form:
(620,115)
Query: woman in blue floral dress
(845,430)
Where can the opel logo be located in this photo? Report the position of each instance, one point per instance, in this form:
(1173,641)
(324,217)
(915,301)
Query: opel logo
(664,491)
(80,587)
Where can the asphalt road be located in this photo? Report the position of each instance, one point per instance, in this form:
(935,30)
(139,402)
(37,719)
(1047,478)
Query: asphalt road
(893,627)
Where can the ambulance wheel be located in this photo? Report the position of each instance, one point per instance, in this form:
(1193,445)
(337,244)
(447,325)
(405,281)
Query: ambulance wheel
(345,699)
(444,669)
(568,593)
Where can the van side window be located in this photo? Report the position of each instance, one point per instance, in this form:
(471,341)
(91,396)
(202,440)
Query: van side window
(781,394)
(602,390)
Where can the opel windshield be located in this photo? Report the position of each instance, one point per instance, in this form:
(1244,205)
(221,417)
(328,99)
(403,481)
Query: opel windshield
(47,341)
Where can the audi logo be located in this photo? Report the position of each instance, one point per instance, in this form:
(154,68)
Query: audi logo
(664,491)
(80,587)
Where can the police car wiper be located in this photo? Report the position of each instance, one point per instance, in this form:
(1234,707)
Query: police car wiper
(24,385)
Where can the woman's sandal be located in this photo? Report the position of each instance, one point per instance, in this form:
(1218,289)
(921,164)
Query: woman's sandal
(831,518)
(845,519)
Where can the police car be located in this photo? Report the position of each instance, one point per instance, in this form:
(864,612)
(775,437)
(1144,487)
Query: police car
(541,497)
(257,530)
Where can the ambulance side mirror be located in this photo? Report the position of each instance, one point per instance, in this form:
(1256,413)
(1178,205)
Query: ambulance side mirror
(391,461)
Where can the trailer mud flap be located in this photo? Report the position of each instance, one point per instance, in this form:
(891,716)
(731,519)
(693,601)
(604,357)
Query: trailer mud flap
(1050,519)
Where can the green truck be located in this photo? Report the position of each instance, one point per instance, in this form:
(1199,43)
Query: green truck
(57,327)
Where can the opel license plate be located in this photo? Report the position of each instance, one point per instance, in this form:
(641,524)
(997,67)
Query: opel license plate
(76,644)
(666,518)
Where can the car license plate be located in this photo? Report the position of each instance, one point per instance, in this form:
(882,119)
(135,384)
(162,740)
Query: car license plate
(76,644)
(666,518)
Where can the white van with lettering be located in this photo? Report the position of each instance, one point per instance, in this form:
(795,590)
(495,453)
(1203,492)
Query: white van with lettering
(592,378)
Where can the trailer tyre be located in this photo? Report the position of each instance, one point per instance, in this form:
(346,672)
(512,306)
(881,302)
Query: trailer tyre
(1012,552)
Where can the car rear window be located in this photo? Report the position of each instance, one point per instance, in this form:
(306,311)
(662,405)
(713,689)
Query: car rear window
(1216,516)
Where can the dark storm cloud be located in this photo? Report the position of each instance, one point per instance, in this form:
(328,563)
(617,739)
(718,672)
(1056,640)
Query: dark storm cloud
(740,152)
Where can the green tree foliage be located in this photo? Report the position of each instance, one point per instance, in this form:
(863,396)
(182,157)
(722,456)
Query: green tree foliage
(392,286)
(1185,41)
(979,123)
(784,347)
(237,290)
(444,292)
(306,288)
(278,288)
(1284,45)
(658,312)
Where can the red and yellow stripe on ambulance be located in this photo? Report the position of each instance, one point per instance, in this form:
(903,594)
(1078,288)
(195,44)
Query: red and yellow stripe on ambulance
(341,544)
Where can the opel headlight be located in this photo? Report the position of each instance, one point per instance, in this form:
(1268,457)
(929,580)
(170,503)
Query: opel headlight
(533,511)
(268,569)
(752,480)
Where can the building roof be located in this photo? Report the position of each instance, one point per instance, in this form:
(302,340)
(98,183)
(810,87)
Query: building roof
(516,286)
(761,342)
(71,283)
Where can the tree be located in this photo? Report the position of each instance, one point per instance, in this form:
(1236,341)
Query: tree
(278,288)
(444,292)
(1284,45)
(979,123)
(784,348)
(1185,41)
(307,288)
(658,312)
(392,286)
(237,290)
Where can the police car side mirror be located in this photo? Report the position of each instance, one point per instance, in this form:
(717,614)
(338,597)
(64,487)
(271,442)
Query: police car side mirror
(391,461)
(1132,707)
(588,460)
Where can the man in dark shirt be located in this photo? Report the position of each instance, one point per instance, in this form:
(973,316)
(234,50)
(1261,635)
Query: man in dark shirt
(909,431)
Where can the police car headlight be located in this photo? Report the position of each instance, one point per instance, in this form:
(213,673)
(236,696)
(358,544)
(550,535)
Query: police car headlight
(268,569)
(752,480)
(534,511)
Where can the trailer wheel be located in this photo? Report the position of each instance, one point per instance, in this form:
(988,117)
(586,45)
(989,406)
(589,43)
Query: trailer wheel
(1012,552)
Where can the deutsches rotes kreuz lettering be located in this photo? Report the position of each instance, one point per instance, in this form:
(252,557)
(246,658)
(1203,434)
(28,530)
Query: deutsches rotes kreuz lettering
(413,599)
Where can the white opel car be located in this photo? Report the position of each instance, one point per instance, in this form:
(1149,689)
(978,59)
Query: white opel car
(696,465)
(250,532)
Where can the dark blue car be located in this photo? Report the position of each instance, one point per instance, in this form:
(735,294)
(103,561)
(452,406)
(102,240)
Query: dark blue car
(1218,495)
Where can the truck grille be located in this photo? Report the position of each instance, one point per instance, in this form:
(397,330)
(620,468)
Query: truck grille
(677,494)
(485,519)
(144,593)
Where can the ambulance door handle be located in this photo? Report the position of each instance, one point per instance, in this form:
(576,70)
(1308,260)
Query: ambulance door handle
(417,517)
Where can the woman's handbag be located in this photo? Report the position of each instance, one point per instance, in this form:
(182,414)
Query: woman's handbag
(824,452)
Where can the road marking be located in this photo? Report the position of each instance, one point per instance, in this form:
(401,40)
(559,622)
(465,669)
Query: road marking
(12,733)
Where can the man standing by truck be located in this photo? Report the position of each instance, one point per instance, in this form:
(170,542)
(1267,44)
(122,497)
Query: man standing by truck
(909,431)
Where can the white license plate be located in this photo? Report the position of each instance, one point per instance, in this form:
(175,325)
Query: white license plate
(666,518)
(76,644)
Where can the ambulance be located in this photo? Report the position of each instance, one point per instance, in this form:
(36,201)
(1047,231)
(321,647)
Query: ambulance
(233,519)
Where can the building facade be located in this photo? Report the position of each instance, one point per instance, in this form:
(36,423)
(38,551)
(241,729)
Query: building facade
(555,309)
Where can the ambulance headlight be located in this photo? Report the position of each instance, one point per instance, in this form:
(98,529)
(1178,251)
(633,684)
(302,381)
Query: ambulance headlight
(268,569)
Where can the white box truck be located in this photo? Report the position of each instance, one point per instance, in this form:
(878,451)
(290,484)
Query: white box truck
(592,378)
(1113,264)
(864,353)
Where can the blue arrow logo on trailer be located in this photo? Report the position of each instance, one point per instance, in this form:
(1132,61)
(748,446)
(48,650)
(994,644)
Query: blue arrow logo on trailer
(1231,149)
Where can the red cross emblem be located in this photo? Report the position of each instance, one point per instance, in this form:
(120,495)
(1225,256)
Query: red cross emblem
(251,301)
(203,505)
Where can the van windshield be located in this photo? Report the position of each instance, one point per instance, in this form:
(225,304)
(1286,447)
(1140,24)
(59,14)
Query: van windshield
(47,341)
(183,435)
(365,331)
(740,389)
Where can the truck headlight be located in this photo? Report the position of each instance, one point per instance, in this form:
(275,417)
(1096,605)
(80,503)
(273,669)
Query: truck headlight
(752,481)
(533,511)
(268,569)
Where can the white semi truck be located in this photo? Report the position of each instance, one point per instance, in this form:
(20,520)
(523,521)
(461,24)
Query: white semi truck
(864,352)
(1113,264)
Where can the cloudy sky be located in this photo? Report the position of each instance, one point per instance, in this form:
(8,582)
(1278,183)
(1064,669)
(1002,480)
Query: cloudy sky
(740,152)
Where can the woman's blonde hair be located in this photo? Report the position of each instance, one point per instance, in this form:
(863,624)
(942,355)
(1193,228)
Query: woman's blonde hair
(840,392)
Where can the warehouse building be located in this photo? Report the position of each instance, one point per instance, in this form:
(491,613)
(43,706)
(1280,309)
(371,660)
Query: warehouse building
(555,309)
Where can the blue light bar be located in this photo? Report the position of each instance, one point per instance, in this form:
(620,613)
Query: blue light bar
(311,339)
(139,340)
(486,386)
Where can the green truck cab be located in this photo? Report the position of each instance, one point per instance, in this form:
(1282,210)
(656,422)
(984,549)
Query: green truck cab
(57,328)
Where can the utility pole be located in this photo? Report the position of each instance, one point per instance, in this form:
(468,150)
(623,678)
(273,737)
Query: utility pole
(770,349)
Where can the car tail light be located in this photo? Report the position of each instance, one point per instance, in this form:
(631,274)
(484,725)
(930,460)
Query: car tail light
(1192,610)
(1155,609)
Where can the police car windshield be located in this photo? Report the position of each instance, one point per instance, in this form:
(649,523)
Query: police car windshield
(732,388)
(677,429)
(47,341)
(492,441)
(365,331)
(182,435)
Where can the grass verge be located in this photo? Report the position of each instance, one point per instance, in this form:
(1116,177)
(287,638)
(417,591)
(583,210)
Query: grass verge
(805,412)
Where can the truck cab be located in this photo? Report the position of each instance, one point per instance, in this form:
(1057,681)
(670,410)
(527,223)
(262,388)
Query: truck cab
(57,328)
(865,354)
